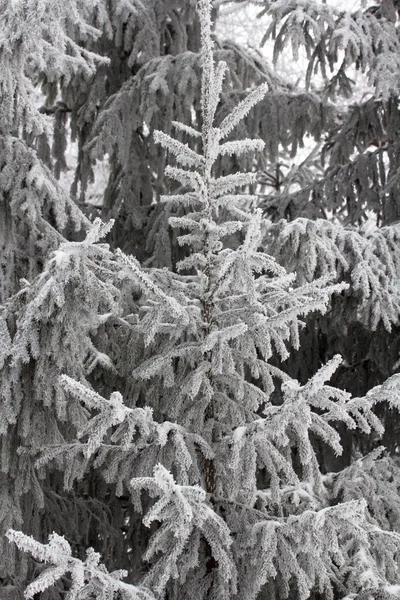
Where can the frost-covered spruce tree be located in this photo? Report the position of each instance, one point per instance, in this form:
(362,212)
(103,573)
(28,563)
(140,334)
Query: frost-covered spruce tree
(36,40)
(343,204)
(152,78)
(214,447)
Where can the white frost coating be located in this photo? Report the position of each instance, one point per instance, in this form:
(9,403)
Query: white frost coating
(225,471)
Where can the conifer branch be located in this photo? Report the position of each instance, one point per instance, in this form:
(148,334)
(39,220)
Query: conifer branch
(88,577)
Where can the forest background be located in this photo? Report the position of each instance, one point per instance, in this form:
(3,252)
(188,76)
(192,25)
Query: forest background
(154,339)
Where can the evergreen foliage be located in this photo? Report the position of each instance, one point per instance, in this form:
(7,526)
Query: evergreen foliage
(173,404)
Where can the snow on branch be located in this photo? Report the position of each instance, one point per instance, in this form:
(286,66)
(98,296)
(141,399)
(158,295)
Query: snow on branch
(184,155)
(57,315)
(89,577)
(32,187)
(215,92)
(113,412)
(241,147)
(305,411)
(145,282)
(333,36)
(227,183)
(186,129)
(128,437)
(367,261)
(242,109)
(185,515)
(208,72)
(388,392)
(320,548)
(37,37)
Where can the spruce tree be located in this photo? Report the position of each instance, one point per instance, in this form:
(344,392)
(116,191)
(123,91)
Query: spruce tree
(349,190)
(162,434)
